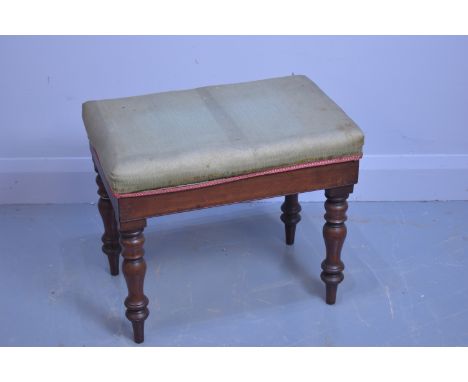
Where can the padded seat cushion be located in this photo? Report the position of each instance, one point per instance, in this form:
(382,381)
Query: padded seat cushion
(180,138)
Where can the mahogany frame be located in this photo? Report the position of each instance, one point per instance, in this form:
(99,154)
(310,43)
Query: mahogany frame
(125,219)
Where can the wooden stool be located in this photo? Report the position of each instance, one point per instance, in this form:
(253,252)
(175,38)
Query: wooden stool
(178,151)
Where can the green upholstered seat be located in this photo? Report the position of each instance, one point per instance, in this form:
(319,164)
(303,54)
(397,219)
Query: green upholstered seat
(183,137)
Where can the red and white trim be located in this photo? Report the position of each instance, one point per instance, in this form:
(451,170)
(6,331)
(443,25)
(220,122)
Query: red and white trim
(214,182)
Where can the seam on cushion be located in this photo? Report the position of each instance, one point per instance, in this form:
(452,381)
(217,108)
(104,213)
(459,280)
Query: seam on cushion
(215,182)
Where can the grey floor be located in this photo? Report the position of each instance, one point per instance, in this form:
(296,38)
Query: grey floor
(224,276)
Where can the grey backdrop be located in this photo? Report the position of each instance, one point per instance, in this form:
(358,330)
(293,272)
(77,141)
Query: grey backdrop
(408,94)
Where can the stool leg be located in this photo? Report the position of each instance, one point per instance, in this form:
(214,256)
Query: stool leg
(290,216)
(134,269)
(334,233)
(110,238)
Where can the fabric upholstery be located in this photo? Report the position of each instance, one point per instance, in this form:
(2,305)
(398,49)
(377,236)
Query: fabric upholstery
(184,137)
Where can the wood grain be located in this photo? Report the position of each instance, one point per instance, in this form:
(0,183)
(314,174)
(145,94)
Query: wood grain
(134,270)
(267,186)
(110,238)
(130,214)
(334,234)
(290,216)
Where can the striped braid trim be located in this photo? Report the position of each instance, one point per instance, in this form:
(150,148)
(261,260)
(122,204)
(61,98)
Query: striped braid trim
(215,182)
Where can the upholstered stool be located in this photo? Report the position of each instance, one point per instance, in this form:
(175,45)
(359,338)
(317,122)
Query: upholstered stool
(162,153)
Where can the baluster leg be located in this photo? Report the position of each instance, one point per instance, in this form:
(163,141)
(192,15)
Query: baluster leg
(334,233)
(110,238)
(290,216)
(134,269)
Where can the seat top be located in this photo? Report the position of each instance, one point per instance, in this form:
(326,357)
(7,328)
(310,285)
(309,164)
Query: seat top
(177,138)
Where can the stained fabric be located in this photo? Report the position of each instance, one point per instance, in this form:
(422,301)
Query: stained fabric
(184,137)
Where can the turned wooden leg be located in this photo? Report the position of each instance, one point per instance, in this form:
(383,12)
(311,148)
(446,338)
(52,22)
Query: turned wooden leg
(110,238)
(290,216)
(134,269)
(334,233)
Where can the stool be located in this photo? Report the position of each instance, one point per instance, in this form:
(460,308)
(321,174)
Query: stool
(170,152)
